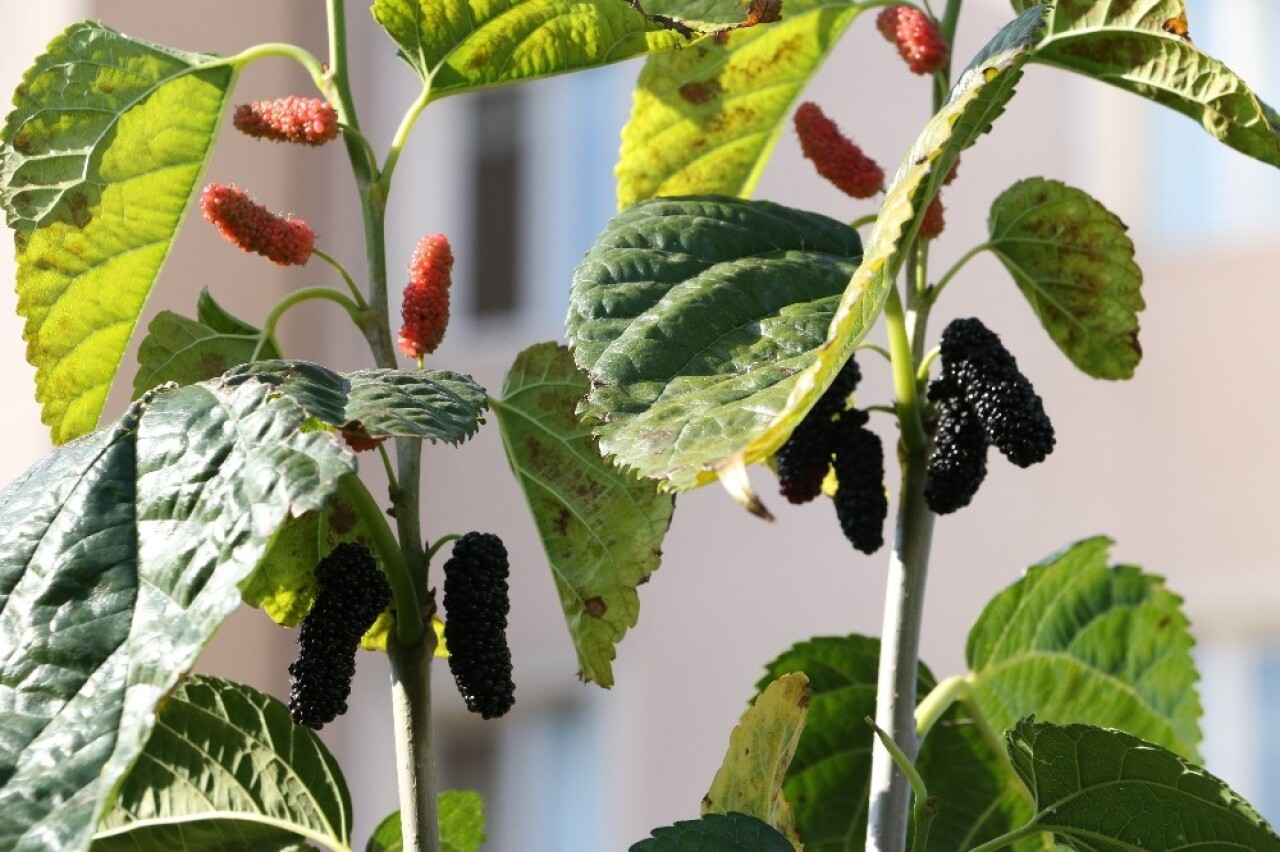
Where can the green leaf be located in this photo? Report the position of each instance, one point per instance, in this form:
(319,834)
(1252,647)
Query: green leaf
(1108,790)
(602,529)
(120,555)
(1072,259)
(1076,641)
(177,349)
(103,151)
(828,781)
(692,318)
(461,825)
(761,747)
(438,405)
(716,833)
(216,317)
(1137,47)
(460,45)
(975,102)
(705,119)
(227,768)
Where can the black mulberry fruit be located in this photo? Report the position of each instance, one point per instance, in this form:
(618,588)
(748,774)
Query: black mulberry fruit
(803,461)
(476,602)
(352,593)
(860,501)
(959,461)
(1010,411)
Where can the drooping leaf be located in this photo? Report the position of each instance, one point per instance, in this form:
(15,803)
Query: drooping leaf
(186,351)
(829,779)
(218,318)
(461,45)
(1072,259)
(1145,47)
(716,833)
(1076,641)
(692,317)
(602,528)
(761,747)
(461,825)
(976,100)
(1108,790)
(120,554)
(704,119)
(101,154)
(438,405)
(227,768)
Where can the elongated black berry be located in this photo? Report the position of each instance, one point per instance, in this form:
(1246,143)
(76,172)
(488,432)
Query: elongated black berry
(959,461)
(803,461)
(860,501)
(1010,411)
(351,594)
(476,603)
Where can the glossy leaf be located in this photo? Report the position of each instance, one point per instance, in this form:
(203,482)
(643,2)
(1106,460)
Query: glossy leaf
(692,317)
(1073,261)
(227,768)
(120,554)
(1076,641)
(705,119)
(976,100)
(1108,790)
(101,155)
(388,836)
(1145,47)
(460,45)
(602,528)
(716,833)
(761,747)
(829,779)
(461,825)
(438,405)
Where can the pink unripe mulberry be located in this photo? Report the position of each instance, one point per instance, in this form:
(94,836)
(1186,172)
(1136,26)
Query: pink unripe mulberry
(917,37)
(254,228)
(425,308)
(304,121)
(933,222)
(835,155)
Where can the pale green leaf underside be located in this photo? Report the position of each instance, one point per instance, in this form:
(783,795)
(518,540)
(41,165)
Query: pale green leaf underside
(1077,641)
(1136,47)
(1073,261)
(101,155)
(704,119)
(761,747)
(1103,790)
(120,554)
(716,833)
(461,825)
(601,528)
(226,768)
(692,316)
(436,405)
(976,100)
(459,45)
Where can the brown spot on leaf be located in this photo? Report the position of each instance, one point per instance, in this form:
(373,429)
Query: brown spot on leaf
(701,91)
(595,607)
(342,517)
(1178,26)
(79,206)
(763,12)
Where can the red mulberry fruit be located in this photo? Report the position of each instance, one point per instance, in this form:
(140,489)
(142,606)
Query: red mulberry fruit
(254,228)
(304,121)
(860,502)
(803,461)
(425,308)
(835,155)
(352,593)
(934,220)
(476,603)
(959,460)
(917,37)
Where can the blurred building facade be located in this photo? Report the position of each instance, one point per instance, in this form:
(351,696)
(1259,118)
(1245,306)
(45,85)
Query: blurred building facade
(1178,465)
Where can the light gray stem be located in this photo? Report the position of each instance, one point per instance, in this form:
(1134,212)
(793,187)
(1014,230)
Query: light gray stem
(415,758)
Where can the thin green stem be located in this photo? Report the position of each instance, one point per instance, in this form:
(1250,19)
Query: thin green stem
(386,466)
(280,50)
(346,277)
(863,220)
(297,297)
(410,626)
(402,136)
(937,289)
(1006,840)
(938,702)
(439,543)
(914,439)
(993,741)
(925,807)
(876,348)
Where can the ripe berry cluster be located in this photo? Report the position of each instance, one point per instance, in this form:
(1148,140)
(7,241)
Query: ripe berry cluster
(983,400)
(835,436)
(476,601)
(352,593)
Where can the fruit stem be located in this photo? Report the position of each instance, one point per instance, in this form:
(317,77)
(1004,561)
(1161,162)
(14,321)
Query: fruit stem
(410,628)
(297,297)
